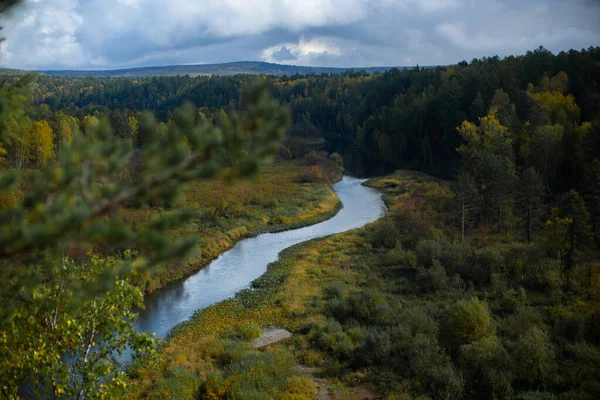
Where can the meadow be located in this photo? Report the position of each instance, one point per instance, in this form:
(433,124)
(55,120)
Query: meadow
(394,310)
(285,195)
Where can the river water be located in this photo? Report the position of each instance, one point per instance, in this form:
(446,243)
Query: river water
(236,268)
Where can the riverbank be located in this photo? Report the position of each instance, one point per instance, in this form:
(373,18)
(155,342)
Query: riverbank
(280,198)
(395,310)
(361,205)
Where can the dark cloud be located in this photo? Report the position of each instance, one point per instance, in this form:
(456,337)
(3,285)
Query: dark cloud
(344,33)
(283,54)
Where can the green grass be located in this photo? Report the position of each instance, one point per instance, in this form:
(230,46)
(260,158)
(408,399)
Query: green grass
(228,212)
(397,308)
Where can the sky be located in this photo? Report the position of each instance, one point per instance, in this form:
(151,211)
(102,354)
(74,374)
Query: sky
(106,34)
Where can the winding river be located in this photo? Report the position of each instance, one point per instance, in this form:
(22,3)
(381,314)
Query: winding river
(248,259)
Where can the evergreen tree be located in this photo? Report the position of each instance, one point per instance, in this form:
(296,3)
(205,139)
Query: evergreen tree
(477,107)
(65,320)
(467,199)
(578,231)
(591,190)
(530,199)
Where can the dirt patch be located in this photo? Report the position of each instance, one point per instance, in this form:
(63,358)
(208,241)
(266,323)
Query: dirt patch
(270,336)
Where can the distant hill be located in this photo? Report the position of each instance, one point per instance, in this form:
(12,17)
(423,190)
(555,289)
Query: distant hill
(242,67)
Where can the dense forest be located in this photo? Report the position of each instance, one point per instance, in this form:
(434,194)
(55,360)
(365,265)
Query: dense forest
(377,122)
(481,282)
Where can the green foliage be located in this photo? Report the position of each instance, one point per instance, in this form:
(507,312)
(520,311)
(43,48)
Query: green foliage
(371,293)
(180,384)
(70,331)
(530,199)
(257,376)
(466,322)
(367,307)
(386,234)
(534,354)
(250,331)
(70,320)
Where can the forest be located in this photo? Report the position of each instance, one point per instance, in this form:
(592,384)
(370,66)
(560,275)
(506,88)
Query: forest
(482,281)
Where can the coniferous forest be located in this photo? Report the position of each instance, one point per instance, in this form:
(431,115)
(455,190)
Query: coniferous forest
(481,281)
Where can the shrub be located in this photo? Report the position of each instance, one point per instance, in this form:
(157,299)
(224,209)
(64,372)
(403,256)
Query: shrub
(434,278)
(428,251)
(337,158)
(335,291)
(9,199)
(486,262)
(517,324)
(466,322)
(314,174)
(484,355)
(332,338)
(375,349)
(255,376)
(401,257)
(583,367)
(385,233)
(418,320)
(250,331)
(300,388)
(571,326)
(368,307)
(446,383)
(234,352)
(314,157)
(512,300)
(534,355)
(180,384)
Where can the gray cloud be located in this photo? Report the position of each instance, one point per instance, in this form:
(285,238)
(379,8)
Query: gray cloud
(283,54)
(121,33)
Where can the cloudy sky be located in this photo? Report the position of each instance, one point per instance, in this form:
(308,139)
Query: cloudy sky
(90,34)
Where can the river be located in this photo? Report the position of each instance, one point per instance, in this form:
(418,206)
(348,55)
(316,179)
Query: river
(236,268)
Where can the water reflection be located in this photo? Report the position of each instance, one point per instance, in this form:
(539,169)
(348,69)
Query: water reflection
(246,261)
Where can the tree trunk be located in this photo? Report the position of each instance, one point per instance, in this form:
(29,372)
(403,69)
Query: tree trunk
(462,232)
(499,219)
(529,221)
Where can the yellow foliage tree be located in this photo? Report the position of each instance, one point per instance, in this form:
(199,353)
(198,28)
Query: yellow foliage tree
(90,123)
(42,142)
(133,127)
(489,135)
(65,135)
(20,150)
(553,106)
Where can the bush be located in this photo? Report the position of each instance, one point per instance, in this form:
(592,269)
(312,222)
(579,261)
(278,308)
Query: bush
(512,300)
(180,384)
(488,363)
(428,251)
(257,376)
(314,174)
(375,349)
(466,322)
(335,291)
(486,262)
(418,321)
(434,278)
(399,256)
(534,355)
(332,338)
(517,324)
(446,383)
(385,233)
(250,331)
(368,307)
(9,199)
